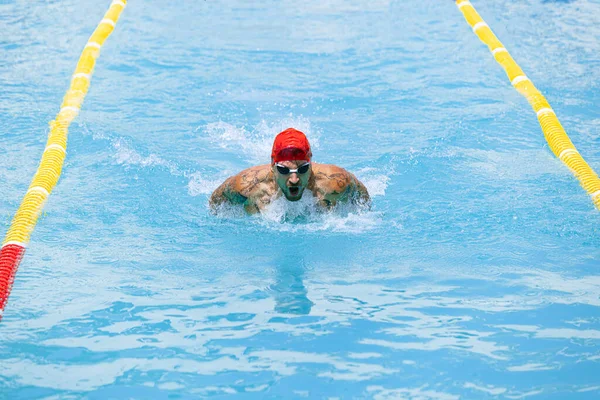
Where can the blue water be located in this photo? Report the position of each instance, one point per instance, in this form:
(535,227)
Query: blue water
(474,276)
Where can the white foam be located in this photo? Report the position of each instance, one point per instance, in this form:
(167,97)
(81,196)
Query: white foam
(306,216)
(376,183)
(358,222)
(198,184)
(282,210)
(229,211)
(127,156)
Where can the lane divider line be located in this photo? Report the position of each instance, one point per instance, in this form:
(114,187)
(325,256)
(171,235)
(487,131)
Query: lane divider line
(566,152)
(545,110)
(94,45)
(48,172)
(108,21)
(519,79)
(558,140)
(13,243)
(39,189)
(81,75)
(69,108)
(479,25)
(55,147)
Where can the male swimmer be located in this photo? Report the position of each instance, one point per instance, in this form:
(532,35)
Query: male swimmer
(290,173)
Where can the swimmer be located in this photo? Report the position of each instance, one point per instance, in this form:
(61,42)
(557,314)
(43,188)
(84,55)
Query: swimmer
(290,174)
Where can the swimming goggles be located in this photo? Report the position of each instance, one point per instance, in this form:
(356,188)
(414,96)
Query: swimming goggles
(283,170)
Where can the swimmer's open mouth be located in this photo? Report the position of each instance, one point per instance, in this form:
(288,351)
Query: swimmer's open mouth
(294,190)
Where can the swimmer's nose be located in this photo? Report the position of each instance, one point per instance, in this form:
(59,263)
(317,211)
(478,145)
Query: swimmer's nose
(294,179)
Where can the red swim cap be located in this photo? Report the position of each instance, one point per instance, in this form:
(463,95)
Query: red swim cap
(290,144)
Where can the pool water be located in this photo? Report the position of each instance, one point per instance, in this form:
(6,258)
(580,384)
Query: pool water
(475,275)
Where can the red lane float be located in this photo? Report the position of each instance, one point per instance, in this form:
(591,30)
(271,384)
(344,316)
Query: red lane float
(10,257)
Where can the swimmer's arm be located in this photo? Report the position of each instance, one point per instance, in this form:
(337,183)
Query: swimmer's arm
(355,192)
(344,186)
(361,194)
(226,193)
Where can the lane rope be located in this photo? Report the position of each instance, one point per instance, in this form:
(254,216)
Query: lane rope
(50,167)
(555,134)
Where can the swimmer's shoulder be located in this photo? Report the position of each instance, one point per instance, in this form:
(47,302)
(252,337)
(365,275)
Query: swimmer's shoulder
(251,179)
(336,183)
(331,177)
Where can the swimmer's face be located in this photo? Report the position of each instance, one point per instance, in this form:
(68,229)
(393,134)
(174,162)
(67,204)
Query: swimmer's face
(292,184)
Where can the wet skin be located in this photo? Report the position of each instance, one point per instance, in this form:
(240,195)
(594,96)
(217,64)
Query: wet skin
(256,187)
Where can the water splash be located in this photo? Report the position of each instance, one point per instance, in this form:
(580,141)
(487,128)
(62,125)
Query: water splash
(255,145)
(200,185)
(281,215)
(306,216)
(127,155)
(376,183)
